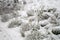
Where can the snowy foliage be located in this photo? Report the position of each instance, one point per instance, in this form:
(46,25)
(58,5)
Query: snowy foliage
(35,35)
(34,19)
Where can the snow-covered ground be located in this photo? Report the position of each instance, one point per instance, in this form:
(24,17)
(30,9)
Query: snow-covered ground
(27,21)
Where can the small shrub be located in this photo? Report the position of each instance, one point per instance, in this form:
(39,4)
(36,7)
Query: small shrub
(35,35)
(14,24)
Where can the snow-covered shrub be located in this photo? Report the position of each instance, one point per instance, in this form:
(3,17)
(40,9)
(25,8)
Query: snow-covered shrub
(5,18)
(8,9)
(7,6)
(14,23)
(25,27)
(35,35)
